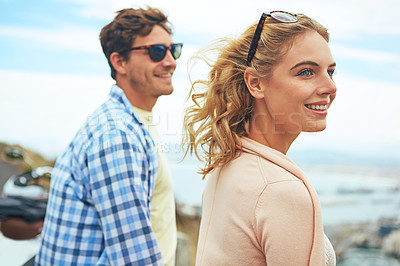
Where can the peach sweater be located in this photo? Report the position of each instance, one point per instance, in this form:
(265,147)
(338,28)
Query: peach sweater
(260,209)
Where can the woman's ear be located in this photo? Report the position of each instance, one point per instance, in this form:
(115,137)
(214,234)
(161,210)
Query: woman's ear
(118,62)
(253,82)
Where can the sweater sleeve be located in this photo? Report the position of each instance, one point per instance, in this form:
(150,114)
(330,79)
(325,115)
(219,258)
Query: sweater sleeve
(284,223)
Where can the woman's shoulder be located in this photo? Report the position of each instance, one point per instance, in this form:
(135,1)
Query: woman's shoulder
(259,167)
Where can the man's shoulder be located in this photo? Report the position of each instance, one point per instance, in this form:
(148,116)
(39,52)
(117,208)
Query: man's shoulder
(110,119)
(111,116)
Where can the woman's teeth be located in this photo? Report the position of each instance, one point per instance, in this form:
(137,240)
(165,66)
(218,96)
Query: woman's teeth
(317,107)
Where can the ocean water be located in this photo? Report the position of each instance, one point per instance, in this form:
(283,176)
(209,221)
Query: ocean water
(345,197)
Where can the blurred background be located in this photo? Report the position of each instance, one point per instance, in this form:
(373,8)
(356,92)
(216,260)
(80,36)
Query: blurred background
(53,74)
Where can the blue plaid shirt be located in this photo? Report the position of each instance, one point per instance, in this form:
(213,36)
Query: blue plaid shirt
(98,211)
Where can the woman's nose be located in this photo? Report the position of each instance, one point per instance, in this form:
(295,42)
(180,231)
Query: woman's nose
(328,85)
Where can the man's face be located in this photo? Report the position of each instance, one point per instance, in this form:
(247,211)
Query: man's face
(146,78)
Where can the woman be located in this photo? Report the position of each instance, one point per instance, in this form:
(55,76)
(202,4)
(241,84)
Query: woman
(264,89)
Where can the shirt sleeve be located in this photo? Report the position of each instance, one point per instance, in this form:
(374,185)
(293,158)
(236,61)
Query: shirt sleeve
(284,223)
(119,181)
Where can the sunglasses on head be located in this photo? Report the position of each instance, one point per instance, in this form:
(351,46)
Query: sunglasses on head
(157,52)
(281,16)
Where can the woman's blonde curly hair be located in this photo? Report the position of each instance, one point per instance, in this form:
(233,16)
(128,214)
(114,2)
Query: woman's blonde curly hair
(222,105)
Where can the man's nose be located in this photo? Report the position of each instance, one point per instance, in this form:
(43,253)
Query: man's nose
(169,60)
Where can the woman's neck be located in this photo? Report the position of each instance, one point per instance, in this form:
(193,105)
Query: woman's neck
(264,131)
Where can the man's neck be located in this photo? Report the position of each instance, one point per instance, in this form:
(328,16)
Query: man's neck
(138,99)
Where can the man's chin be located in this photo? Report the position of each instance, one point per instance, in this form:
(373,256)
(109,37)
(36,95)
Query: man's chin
(168,91)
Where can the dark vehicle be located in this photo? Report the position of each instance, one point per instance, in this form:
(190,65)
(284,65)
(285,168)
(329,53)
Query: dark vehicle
(24,199)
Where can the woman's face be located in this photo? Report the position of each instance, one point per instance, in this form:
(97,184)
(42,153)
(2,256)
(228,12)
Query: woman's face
(301,88)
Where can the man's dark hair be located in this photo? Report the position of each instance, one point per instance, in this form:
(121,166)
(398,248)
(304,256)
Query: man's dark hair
(127,25)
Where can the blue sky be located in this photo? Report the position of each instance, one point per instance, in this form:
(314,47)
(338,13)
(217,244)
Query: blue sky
(53,72)
(22,50)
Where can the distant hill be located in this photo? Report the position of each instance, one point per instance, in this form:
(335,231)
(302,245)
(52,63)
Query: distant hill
(37,159)
(324,159)
(324,156)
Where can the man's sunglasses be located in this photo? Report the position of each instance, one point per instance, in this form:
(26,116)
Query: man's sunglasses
(280,16)
(157,52)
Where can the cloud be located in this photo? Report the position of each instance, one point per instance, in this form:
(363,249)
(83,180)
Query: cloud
(44,110)
(203,21)
(67,38)
(343,17)
(373,56)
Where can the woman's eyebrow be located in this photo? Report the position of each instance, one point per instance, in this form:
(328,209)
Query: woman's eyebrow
(305,63)
(310,63)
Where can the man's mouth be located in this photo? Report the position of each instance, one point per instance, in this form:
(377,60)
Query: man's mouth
(164,75)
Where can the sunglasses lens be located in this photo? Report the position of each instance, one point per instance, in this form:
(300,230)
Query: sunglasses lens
(176,50)
(157,52)
(283,17)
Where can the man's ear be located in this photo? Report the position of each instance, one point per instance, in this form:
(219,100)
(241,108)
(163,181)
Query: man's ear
(118,62)
(253,83)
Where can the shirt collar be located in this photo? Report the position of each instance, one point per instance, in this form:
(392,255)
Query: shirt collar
(118,94)
(147,116)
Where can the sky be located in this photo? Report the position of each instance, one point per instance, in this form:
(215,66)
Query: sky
(53,73)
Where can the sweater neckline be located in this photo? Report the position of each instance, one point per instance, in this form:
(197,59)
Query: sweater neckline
(272,155)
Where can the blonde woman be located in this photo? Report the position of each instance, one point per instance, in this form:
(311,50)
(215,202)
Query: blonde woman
(266,87)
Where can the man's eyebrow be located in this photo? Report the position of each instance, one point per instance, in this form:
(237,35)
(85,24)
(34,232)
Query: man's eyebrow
(310,63)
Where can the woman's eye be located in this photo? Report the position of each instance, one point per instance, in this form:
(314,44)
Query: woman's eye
(331,72)
(305,72)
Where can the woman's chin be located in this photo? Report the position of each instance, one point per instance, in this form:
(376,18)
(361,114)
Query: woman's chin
(317,127)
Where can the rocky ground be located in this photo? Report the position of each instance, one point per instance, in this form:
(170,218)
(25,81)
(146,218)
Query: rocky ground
(379,240)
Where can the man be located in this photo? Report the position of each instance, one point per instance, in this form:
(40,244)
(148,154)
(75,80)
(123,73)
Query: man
(102,185)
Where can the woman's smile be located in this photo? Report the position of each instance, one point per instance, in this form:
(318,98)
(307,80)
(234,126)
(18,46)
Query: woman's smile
(320,108)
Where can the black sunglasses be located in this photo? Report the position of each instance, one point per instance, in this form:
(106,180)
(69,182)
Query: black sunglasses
(157,52)
(281,16)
